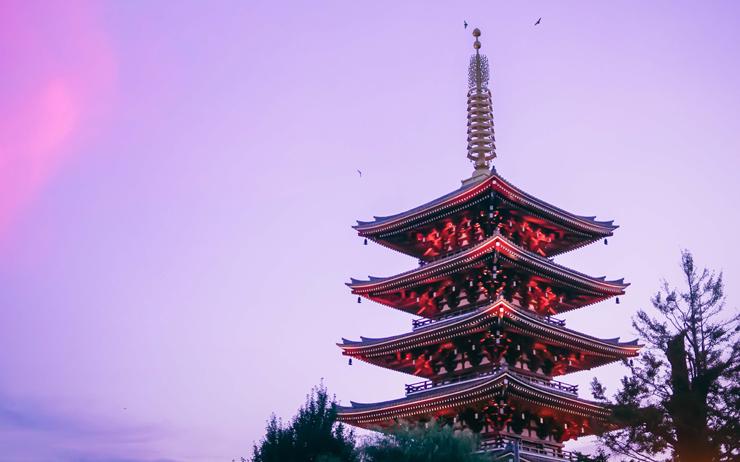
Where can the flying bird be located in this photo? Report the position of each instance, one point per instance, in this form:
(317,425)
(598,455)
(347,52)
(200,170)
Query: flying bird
(465,23)
(358,171)
(538,21)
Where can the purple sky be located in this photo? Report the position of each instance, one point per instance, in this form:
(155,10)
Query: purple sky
(177,185)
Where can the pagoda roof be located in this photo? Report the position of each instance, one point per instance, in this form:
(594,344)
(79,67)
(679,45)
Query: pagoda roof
(468,193)
(481,319)
(481,389)
(496,243)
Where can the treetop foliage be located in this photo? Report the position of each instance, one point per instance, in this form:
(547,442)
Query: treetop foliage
(313,435)
(681,401)
(433,443)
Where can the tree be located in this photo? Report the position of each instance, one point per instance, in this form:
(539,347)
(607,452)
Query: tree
(313,435)
(682,399)
(435,443)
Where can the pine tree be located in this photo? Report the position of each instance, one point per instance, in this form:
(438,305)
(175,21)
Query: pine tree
(681,401)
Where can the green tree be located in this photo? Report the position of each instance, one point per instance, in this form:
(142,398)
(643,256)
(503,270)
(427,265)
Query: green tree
(313,435)
(436,443)
(681,401)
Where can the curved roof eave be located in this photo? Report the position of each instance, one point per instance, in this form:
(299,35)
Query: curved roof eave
(418,334)
(452,392)
(386,223)
(482,246)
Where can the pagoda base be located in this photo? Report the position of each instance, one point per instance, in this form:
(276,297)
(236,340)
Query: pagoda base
(507,449)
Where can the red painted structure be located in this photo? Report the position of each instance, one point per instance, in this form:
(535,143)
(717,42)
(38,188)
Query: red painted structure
(487,346)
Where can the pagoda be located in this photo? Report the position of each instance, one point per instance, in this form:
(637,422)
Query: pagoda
(487,344)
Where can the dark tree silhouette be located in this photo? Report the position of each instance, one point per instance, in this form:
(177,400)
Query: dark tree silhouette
(681,401)
(313,435)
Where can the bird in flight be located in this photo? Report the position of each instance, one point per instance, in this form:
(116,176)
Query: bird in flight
(538,21)
(465,24)
(358,171)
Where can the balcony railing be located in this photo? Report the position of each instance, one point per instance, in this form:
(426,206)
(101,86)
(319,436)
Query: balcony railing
(421,322)
(554,384)
(417,323)
(427,384)
(450,253)
(555,321)
(525,447)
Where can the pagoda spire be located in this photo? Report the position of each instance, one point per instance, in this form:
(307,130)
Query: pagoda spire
(481,139)
(485,289)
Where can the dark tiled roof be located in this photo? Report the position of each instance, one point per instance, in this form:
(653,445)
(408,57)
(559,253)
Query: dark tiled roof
(463,387)
(546,262)
(378,220)
(438,391)
(470,316)
(525,199)
(368,341)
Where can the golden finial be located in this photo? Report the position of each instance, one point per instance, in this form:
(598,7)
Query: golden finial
(478,70)
(481,140)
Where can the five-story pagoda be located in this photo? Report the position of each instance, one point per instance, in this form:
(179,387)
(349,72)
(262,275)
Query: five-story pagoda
(486,289)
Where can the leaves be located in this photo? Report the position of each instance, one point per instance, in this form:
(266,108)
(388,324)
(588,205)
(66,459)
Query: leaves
(313,435)
(435,443)
(681,400)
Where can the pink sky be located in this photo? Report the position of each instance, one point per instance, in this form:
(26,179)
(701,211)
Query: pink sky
(177,185)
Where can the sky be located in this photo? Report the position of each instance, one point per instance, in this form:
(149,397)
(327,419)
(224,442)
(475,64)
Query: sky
(178,181)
